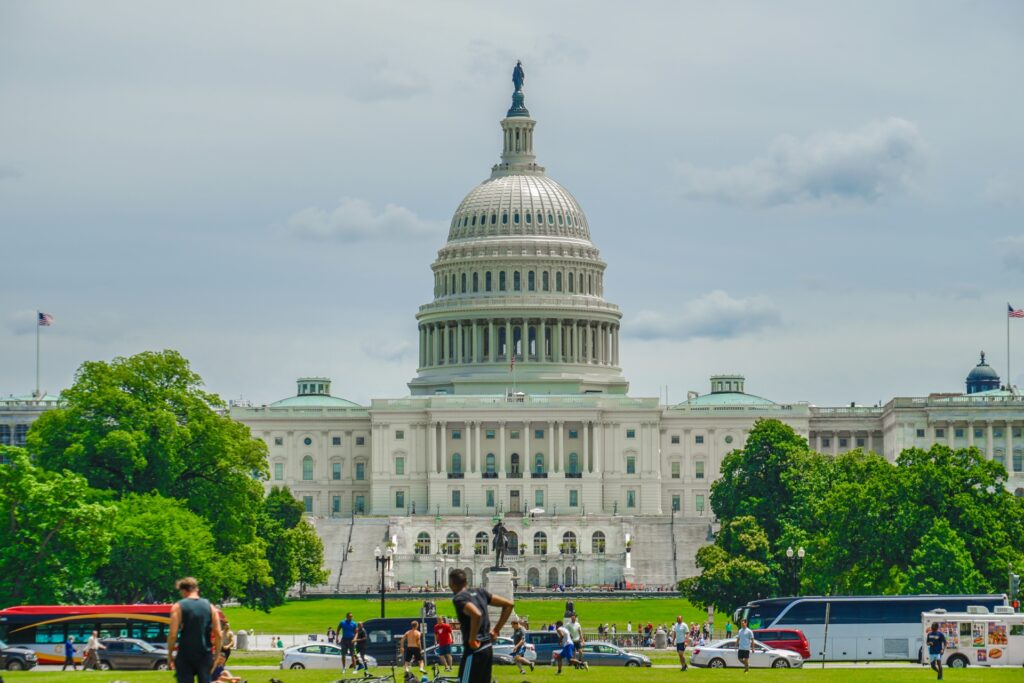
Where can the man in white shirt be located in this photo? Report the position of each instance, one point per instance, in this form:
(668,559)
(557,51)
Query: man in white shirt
(680,631)
(575,629)
(567,653)
(92,652)
(744,643)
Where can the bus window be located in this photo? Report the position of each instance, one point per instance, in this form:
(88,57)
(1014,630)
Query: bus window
(80,630)
(1017,629)
(804,613)
(150,631)
(49,633)
(113,629)
(965,628)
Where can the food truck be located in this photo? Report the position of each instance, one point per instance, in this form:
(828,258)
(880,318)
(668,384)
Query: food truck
(978,636)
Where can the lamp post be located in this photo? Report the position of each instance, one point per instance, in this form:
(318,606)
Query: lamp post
(795,559)
(383,558)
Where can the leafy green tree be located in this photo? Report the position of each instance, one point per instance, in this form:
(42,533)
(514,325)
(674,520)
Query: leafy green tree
(942,564)
(308,550)
(735,569)
(283,507)
(55,532)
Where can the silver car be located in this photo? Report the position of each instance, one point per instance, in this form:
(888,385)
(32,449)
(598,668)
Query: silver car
(723,653)
(503,651)
(606,654)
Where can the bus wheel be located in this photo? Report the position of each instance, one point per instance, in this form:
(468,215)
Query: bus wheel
(958,662)
(15,665)
(716,663)
(780,663)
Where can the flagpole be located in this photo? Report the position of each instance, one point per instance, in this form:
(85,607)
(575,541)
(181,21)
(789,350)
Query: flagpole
(37,354)
(1009,375)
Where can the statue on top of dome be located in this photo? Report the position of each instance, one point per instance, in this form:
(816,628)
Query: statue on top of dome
(518,76)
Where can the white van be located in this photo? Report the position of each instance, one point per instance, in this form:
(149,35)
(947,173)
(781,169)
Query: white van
(978,636)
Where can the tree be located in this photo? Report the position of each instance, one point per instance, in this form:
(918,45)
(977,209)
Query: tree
(308,551)
(734,569)
(54,535)
(283,507)
(942,564)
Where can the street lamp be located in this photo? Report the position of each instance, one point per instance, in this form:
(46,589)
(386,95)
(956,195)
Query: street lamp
(794,559)
(383,558)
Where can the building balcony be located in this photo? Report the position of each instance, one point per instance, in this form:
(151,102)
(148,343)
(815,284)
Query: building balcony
(456,475)
(538,475)
(515,475)
(489,475)
(573,475)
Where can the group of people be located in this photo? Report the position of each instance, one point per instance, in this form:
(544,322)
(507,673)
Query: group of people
(351,636)
(683,635)
(90,655)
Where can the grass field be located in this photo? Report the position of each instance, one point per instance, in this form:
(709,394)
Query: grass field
(545,674)
(315,615)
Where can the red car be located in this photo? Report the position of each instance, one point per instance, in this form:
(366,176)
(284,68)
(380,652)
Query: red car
(785,639)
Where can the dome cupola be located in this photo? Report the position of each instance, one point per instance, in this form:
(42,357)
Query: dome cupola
(982,377)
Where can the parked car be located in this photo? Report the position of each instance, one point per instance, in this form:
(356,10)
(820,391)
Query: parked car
(784,639)
(430,654)
(723,653)
(503,651)
(131,653)
(16,658)
(605,654)
(545,644)
(316,656)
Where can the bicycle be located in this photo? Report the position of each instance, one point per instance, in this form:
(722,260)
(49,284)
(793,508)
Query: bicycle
(367,677)
(450,679)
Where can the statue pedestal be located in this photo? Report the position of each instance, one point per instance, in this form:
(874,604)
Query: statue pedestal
(499,582)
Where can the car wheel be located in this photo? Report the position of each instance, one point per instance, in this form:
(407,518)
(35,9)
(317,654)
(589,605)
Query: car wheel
(780,663)
(958,662)
(105,666)
(15,665)
(630,662)
(160,666)
(716,663)
(298,665)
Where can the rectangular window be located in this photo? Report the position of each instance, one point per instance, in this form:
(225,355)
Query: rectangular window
(940,433)
(574,434)
(456,498)
(978,433)
(630,433)
(675,469)
(699,502)
(630,498)
(335,440)
(489,434)
(997,432)
(860,443)
(360,471)
(676,502)
(1016,432)
(400,500)
(360,504)
(278,440)
(842,443)
(399,465)
(335,471)
(336,505)
(1018,461)
(826,442)
(698,439)
(631,465)
(278,471)
(958,433)
(675,438)
(698,469)
(513,435)
(920,433)
(574,498)
(360,440)
(538,498)
(399,434)
(538,433)
(307,503)
(489,497)
(456,434)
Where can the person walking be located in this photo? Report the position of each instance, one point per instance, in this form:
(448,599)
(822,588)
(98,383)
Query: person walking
(519,646)
(69,654)
(93,646)
(228,638)
(728,629)
(360,644)
(936,641)
(680,631)
(443,638)
(195,631)
(411,647)
(744,643)
(575,629)
(330,635)
(347,633)
(477,634)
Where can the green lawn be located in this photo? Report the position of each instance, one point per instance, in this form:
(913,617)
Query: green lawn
(315,615)
(546,674)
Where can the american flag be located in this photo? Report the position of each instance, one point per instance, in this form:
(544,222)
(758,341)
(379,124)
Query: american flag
(45,319)
(1013,312)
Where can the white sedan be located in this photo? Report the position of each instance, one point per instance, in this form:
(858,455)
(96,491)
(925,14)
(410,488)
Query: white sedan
(316,656)
(503,651)
(722,653)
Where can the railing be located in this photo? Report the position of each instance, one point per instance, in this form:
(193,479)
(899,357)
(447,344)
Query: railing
(456,475)
(538,475)
(490,475)
(515,475)
(573,475)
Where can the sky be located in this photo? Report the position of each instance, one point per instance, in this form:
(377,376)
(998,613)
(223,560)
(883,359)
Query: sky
(825,197)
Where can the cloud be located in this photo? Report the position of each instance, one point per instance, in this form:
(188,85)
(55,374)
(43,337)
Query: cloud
(394,352)
(354,220)
(715,315)
(22,322)
(1004,191)
(380,81)
(861,165)
(1013,252)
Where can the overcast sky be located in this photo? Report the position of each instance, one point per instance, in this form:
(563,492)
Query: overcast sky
(825,197)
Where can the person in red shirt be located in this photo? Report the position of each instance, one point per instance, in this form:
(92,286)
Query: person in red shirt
(443,638)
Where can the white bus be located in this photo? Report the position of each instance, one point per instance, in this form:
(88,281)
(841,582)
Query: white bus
(978,636)
(859,627)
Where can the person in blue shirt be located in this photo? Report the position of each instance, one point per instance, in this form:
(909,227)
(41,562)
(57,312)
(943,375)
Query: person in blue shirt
(69,654)
(936,641)
(347,631)
(744,644)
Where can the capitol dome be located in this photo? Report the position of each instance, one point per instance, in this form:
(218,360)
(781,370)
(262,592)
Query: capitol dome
(518,288)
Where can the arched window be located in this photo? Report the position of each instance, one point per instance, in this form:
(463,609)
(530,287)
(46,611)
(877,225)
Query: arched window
(574,464)
(307,469)
(572,282)
(540,218)
(487,281)
(474,220)
(568,542)
(515,463)
(501,281)
(533,577)
(481,546)
(463,283)
(494,218)
(456,463)
(540,543)
(517,282)
(423,543)
(551,219)
(597,543)
(489,463)
(531,281)
(529,218)
(559,217)
(515,218)
(476,282)
(538,463)
(453,546)
(558,282)
(544,283)
(504,219)
(513,543)
(553,576)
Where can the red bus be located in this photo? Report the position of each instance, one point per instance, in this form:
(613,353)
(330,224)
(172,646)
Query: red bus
(44,628)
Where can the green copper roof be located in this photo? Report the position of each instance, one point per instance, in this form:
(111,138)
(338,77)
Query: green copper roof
(314,401)
(728,398)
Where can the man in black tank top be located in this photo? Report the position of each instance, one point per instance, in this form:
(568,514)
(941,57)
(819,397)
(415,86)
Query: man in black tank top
(195,629)
(477,634)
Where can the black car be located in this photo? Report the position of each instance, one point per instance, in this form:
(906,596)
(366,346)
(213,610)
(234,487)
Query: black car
(131,653)
(16,658)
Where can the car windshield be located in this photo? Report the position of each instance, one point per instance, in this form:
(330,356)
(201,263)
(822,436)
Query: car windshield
(144,646)
(3,644)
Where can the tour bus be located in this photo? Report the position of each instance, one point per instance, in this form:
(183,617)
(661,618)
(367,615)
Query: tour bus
(44,628)
(858,627)
(978,636)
